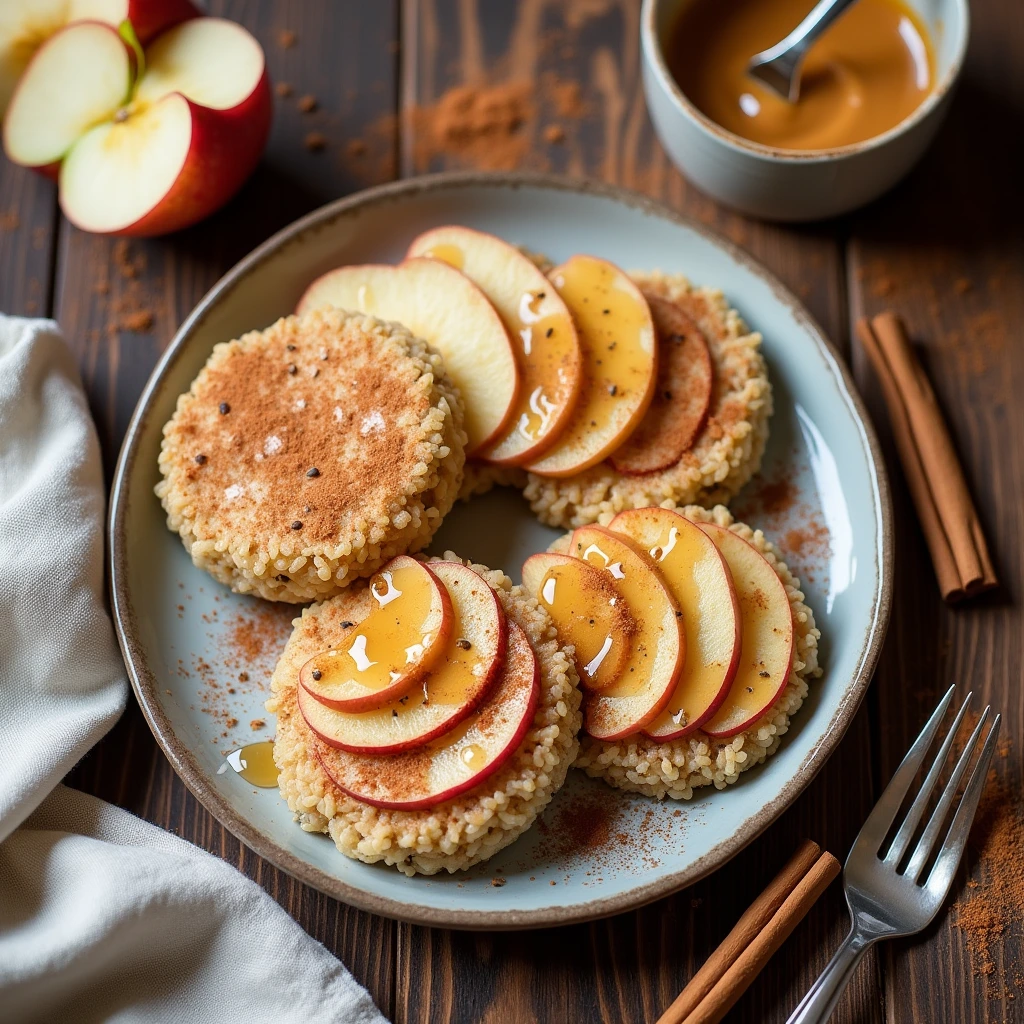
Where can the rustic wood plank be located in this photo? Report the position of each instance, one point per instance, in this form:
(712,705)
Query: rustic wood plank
(28,221)
(945,251)
(120,303)
(630,967)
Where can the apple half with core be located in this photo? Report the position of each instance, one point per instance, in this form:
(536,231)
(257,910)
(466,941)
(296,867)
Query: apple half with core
(619,364)
(699,579)
(143,154)
(588,612)
(539,324)
(457,761)
(682,395)
(26,24)
(657,647)
(405,635)
(473,660)
(768,636)
(442,306)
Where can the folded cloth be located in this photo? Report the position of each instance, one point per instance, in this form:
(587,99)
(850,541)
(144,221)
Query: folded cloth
(104,916)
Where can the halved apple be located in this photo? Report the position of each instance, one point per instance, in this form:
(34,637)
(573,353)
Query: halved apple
(26,24)
(619,364)
(658,646)
(458,761)
(538,322)
(443,307)
(145,157)
(588,612)
(472,661)
(768,637)
(699,579)
(682,395)
(393,648)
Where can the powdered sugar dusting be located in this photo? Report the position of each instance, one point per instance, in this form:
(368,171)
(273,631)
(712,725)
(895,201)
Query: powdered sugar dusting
(372,424)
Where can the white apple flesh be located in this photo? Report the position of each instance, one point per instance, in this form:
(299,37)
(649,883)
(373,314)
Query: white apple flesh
(456,762)
(539,324)
(443,307)
(768,638)
(453,690)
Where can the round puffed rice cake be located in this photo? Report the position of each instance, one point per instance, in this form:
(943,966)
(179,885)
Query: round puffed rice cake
(727,451)
(306,455)
(460,832)
(677,768)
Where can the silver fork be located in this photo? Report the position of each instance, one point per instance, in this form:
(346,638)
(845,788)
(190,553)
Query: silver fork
(885,902)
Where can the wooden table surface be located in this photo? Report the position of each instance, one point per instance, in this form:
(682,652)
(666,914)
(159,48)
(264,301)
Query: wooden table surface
(945,249)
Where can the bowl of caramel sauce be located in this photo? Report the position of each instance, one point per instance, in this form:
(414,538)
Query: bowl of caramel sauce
(873,90)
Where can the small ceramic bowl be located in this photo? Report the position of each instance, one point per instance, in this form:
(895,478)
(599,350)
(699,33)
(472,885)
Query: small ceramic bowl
(790,185)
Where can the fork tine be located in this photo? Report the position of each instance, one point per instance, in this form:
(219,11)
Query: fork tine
(926,843)
(881,817)
(913,818)
(953,848)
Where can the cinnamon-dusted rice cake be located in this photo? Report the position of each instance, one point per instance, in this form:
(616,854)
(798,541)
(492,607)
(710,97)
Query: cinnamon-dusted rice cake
(678,767)
(462,831)
(305,456)
(727,451)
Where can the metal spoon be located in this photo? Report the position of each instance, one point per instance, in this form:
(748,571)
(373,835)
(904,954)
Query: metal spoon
(779,66)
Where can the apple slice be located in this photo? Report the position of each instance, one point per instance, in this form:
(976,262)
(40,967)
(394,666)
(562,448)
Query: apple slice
(699,579)
(154,160)
(79,77)
(768,636)
(444,308)
(682,395)
(453,690)
(393,648)
(26,26)
(658,646)
(456,762)
(588,612)
(619,364)
(543,335)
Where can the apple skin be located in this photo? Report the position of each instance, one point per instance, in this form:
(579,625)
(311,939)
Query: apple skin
(225,148)
(151,17)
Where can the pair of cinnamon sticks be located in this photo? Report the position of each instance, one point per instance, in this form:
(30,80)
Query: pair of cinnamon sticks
(934,477)
(768,922)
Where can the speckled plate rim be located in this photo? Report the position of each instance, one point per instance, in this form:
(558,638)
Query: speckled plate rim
(145,684)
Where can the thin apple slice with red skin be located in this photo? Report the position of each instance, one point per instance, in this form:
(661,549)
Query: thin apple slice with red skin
(447,695)
(403,638)
(460,760)
(26,26)
(78,77)
(682,395)
(620,362)
(588,612)
(185,142)
(698,577)
(450,313)
(539,325)
(658,647)
(768,635)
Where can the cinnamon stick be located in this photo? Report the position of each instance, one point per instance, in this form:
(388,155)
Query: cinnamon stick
(933,472)
(743,935)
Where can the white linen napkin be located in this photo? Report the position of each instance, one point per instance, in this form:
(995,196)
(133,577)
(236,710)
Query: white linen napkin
(104,916)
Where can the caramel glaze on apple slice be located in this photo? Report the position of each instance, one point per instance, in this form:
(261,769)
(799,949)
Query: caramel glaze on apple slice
(658,646)
(456,762)
(392,649)
(473,660)
(682,395)
(699,579)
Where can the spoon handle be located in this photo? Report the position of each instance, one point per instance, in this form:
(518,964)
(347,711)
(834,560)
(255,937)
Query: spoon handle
(800,39)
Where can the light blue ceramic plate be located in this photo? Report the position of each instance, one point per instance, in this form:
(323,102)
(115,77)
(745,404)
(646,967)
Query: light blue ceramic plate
(200,656)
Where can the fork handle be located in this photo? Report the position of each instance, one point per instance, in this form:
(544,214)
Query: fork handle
(816,1007)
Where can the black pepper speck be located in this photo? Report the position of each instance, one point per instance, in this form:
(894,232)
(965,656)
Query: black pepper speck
(200,459)
(293,369)
(312,472)
(297,525)
(224,408)
(317,673)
